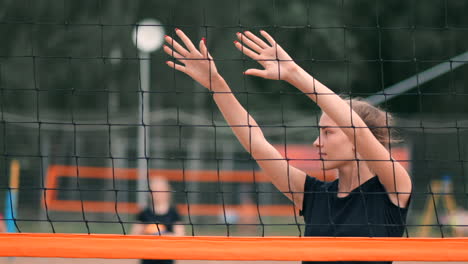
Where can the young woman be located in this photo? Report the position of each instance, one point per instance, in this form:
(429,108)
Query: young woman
(161,218)
(372,192)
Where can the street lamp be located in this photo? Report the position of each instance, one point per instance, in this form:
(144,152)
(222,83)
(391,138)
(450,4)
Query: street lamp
(148,36)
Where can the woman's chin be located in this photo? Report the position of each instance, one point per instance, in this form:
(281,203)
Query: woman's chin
(326,167)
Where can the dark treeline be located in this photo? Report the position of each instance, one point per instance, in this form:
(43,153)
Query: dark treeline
(56,53)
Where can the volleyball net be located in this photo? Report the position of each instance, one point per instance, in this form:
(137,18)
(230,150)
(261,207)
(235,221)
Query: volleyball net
(90,116)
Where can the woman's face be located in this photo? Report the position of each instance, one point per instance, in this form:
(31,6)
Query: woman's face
(161,191)
(335,148)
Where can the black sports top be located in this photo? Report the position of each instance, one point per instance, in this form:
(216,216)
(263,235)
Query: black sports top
(366,212)
(158,224)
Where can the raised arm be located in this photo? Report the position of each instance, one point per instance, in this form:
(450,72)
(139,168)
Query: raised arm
(278,65)
(198,64)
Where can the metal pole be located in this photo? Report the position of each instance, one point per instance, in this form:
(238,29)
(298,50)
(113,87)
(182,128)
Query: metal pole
(143,130)
(418,79)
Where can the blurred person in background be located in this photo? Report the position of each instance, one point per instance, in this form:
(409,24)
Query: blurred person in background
(160,218)
(2,224)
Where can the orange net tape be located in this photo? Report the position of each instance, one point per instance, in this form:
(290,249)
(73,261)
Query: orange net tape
(233,248)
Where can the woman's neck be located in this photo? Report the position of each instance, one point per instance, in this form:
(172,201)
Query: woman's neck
(352,176)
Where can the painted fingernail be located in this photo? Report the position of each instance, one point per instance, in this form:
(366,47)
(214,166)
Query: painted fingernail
(204,40)
(176,29)
(166,36)
(167,62)
(238,33)
(235,41)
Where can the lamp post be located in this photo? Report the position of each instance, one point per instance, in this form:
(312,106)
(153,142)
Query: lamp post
(148,36)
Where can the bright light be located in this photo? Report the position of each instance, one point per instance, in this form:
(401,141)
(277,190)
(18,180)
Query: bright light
(148,35)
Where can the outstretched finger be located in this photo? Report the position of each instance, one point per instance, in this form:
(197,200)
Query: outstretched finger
(203,48)
(175,66)
(181,50)
(256,72)
(188,43)
(256,39)
(268,37)
(244,39)
(172,53)
(248,52)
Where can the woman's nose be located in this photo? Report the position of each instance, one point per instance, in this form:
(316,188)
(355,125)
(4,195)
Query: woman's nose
(317,143)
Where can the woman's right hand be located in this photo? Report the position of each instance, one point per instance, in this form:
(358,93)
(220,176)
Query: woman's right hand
(196,63)
(277,64)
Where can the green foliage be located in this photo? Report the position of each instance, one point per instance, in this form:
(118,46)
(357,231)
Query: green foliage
(60,51)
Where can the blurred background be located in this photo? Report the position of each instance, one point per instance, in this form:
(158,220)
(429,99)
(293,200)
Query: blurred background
(84,110)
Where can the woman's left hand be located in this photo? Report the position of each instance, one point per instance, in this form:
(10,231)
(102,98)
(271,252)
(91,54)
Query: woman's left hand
(277,64)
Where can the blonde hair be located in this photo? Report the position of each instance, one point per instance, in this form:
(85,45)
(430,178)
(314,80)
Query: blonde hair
(377,120)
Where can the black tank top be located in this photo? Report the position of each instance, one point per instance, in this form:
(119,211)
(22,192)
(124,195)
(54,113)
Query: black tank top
(365,212)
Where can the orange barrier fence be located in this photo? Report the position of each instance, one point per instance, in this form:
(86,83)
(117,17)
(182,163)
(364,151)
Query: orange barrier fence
(233,248)
(184,209)
(298,155)
(55,172)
